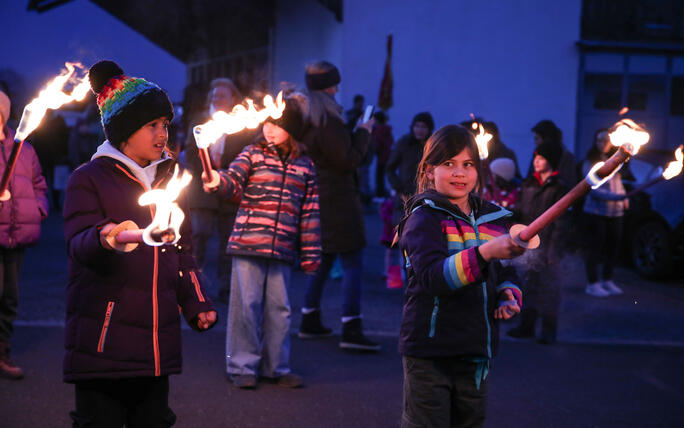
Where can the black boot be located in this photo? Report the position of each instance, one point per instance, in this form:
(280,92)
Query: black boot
(311,326)
(353,337)
(8,369)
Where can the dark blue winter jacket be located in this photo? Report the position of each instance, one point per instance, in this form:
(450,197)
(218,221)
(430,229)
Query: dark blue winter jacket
(452,291)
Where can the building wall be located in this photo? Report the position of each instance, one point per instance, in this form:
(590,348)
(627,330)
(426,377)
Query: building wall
(37,45)
(511,62)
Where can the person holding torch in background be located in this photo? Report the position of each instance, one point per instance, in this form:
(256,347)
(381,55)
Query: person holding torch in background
(20,218)
(122,332)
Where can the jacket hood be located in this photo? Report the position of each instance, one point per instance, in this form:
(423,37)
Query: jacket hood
(146,175)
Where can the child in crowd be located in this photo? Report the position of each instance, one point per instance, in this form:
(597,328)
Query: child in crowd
(507,185)
(604,209)
(457,288)
(539,279)
(122,332)
(278,218)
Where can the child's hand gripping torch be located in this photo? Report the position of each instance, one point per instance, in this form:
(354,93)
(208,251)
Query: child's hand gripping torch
(222,123)
(629,137)
(165,226)
(51,97)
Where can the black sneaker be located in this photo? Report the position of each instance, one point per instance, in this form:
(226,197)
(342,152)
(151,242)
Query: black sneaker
(244,381)
(311,326)
(290,380)
(353,337)
(519,333)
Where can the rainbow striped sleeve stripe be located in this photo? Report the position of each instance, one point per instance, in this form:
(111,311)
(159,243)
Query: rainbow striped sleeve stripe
(461,269)
(507,285)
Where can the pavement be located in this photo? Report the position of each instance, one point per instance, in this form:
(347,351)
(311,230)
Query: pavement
(617,363)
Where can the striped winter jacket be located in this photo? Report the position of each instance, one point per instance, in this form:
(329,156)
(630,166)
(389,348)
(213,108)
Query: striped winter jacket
(452,291)
(278,214)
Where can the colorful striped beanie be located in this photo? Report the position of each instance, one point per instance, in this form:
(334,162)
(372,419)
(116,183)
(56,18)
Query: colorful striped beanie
(126,103)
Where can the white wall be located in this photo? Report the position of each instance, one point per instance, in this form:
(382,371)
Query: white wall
(36,45)
(511,62)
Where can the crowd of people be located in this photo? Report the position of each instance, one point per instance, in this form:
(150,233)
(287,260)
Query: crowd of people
(294,192)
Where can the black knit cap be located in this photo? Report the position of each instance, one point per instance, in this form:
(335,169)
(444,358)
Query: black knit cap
(552,152)
(424,117)
(319,81)
(292,119)
(126,103)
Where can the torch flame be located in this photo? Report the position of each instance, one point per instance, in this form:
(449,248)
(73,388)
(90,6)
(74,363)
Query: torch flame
(623,111)
(52,97)
(482,139)
(239,118)
(628,134)
(168,214)
(675,167)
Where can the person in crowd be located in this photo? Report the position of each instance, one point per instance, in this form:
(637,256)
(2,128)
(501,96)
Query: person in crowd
(457,290)
(540,280)
(211,213)
(383,141)
(402,164)
(122,332)
(604,209)
(547,131)
(507,183)
(497,149)
(85,137)
(353,114)
(278,219)
(20,218)
(337,155)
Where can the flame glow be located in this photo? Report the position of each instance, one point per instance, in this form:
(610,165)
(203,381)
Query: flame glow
(629,135)
(675,167)
(623,111)
(52,97)
(168,214)
(482,139)
(239,118)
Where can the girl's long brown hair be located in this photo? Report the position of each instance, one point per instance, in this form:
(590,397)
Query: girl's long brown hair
(443,144)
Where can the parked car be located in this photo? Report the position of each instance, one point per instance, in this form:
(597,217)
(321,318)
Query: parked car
(654,224)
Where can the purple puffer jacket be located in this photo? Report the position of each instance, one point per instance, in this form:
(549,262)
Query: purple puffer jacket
(20,216)
(122,317)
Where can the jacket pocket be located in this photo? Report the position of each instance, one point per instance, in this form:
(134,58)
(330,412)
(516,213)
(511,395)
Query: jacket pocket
(433,317)
(244,223)
(105,326)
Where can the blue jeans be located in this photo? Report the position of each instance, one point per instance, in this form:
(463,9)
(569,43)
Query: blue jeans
(258,336)
(351,282)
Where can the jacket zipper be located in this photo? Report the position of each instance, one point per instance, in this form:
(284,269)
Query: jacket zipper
(198,289)
(155,274)
(484,298)
(433,318)
(105,326)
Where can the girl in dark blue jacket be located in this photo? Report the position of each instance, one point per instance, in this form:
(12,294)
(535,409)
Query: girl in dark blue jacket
(457,289)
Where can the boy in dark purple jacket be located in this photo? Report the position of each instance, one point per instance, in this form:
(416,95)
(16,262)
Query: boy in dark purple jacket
(122,333)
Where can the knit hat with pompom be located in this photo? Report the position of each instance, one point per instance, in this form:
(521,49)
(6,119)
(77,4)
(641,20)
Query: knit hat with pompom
(126,103)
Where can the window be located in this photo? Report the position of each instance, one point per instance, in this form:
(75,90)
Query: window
(677,96)
(606,90)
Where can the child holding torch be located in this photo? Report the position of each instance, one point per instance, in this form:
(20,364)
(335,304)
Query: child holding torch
(20,218)
(122,333)
(457,289)
(277,219)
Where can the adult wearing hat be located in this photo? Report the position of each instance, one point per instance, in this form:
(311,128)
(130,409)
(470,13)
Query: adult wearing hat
(337,155)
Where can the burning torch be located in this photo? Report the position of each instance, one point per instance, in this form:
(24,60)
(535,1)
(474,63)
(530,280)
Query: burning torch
(482,140)
(239,118)
(673,169)
(165,226)
(51,97)
(629,137)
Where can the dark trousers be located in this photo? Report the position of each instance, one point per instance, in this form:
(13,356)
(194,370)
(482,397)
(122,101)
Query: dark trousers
(351,282)
(10,265)
(603,247)
(442,392)
(111,403)
(204,224)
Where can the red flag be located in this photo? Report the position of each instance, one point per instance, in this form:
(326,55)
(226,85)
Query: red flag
(385,98)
